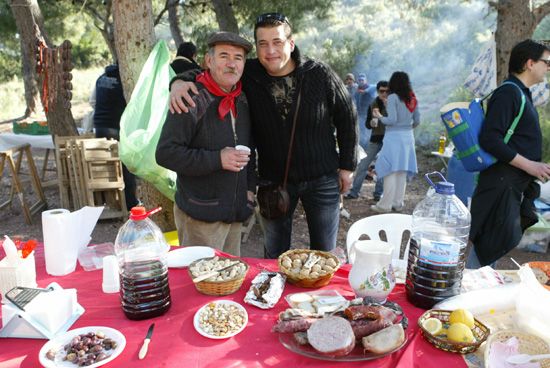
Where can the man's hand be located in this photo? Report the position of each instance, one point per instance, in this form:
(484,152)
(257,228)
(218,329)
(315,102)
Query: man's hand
(179,92)
(234,160)
(346,178)
(250,196)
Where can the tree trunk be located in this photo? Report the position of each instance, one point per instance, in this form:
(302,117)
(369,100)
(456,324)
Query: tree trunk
(515,22)
(174,22)
(134,40)
(225,15)
(27,16)
(50,72)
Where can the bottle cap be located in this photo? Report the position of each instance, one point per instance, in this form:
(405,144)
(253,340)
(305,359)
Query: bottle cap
(138,213)
(444,187)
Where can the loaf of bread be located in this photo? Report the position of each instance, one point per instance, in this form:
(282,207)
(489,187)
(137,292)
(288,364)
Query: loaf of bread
(386,340)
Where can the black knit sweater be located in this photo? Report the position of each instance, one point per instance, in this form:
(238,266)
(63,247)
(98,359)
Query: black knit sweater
(325,109)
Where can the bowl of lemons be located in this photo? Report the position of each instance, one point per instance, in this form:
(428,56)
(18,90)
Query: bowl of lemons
(454,331)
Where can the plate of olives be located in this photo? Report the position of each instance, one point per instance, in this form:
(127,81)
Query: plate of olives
(83,347)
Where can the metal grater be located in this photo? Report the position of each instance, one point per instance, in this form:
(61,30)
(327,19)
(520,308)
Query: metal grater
(21,296)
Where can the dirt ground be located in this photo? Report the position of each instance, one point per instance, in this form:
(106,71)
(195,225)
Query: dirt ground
(12,219)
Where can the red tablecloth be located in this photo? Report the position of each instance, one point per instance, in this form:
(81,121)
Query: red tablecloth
(175,342)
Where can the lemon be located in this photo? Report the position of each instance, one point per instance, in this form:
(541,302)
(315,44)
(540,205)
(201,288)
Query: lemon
(433,326)
(462,316)
(459,332)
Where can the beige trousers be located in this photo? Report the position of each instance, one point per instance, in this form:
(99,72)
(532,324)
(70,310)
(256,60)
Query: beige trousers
(394,190)
(219,235)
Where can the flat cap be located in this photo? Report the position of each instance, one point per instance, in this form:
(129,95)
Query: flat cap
(229,38)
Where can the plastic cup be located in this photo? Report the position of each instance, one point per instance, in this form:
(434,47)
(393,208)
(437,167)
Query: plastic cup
(240,147)
(111,279)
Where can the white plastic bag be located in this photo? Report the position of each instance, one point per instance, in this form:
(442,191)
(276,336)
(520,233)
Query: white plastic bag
(533,305)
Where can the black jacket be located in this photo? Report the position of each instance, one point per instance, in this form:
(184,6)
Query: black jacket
(325,109)
(182,64)
(110,102)
(190,145)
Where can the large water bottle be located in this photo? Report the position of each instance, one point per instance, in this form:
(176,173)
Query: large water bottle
(141,251)
(437,253)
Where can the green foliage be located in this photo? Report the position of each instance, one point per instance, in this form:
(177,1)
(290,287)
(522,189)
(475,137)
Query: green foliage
(10,66)
(341,53)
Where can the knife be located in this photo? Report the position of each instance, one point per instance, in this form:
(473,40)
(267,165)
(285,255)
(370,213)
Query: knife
(143,350)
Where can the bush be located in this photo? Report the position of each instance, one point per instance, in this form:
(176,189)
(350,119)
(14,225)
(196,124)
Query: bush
(10,66)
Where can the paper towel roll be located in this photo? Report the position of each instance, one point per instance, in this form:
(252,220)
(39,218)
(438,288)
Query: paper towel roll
(60,248)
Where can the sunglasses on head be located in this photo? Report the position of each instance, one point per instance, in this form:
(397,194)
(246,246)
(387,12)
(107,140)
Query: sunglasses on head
(266,17)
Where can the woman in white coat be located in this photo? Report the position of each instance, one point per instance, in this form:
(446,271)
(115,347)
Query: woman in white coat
(397,159)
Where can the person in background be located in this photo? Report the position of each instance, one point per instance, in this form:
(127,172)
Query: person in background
(185,58)
(349,81)
(397,158)
(319,171)
(214,194)
(109,106)
(502,204)
(363,97)
(375,144)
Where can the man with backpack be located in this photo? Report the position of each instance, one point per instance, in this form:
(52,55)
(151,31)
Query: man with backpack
(502,204)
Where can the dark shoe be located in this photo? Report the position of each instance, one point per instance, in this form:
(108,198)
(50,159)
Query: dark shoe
(376,198)
(350,196)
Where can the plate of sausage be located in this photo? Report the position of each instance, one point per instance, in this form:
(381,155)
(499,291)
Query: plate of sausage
(360,332)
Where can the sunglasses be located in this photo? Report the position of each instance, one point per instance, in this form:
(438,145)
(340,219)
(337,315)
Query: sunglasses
(270,17)
(381,90)
(546,61)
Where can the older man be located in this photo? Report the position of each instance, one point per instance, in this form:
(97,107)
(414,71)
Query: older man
(211,197)
(318,171)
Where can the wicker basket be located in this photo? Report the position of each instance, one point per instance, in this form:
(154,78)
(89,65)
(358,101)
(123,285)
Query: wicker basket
(307,282)
(528,344)
(480,331)
(544,266)
(219,288)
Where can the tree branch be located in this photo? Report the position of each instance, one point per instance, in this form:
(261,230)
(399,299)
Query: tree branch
(167,5)
(541,11)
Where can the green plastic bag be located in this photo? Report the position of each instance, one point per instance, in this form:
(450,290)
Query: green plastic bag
(142,121)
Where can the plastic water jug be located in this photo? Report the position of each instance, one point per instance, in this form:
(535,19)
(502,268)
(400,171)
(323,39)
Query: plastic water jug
(141,251)
(437,252)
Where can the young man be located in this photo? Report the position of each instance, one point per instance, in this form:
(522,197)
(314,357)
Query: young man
(502,204)
(375,144)
(318,171)
(211,196)
(185,58)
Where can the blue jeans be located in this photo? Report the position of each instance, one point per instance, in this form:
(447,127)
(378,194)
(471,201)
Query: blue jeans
(364,133)
(362,170)
(321,200)
(472,262)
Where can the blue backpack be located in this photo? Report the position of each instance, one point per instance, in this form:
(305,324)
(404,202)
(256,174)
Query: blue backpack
(463,124)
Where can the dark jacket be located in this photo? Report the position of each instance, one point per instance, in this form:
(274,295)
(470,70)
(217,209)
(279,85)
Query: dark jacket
(503,107)
(378,133)
(190,145)
(325,107)
(181,64)
(110,102)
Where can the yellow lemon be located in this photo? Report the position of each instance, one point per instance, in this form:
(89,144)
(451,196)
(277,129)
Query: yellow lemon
(462,316)
(433,326)
(459,332)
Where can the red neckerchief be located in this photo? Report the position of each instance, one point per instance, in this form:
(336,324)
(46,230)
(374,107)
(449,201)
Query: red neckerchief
(228,101)
(411,105)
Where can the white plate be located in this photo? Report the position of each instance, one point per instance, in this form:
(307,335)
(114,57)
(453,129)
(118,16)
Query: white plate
(183,257)
(61,340)
(203,333)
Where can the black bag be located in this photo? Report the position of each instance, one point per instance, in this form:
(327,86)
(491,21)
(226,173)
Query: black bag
(273,200)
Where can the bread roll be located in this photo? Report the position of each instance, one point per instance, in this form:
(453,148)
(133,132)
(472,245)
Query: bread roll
(385,340)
